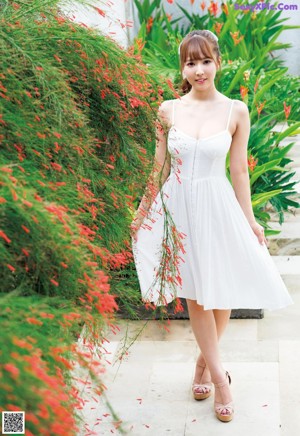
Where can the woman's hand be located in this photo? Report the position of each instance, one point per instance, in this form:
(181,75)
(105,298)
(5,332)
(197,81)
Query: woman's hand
(259,232)
(135,225)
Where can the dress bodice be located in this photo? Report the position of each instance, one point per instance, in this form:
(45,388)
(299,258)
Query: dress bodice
(193,158)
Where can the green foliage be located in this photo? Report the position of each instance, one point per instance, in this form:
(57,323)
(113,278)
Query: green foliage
(77,140)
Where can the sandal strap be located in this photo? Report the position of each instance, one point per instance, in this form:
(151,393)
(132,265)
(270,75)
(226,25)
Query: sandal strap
(223,383)
(219,407)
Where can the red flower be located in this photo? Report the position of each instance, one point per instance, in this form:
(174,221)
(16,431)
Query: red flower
(5,237)
(34,321)
(100,11)
(213,8)
(56,166)
(9,367)
(27,203)
(21,343)
(25,252)
(57,58)
(287,110)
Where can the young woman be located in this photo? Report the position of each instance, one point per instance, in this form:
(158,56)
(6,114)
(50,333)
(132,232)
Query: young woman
(225,260)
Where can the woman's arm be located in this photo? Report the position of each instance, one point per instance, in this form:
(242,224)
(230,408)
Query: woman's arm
(239,167)
(161,165)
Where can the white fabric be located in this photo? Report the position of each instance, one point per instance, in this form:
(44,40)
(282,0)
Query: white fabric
(225,266)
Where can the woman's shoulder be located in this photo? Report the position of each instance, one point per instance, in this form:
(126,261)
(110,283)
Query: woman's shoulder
(240,106)
(165,111)
(166,105)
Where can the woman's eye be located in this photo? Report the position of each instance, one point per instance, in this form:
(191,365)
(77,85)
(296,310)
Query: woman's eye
(192,63)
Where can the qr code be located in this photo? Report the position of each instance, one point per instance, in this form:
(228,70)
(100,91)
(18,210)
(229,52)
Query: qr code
(13,423)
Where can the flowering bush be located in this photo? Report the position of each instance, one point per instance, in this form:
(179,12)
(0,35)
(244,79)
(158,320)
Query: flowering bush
(76,138)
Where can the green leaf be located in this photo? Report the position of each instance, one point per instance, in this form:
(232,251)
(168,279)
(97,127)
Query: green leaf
(259,199)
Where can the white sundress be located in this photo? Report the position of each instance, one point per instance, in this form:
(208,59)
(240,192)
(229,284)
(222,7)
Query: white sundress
(223,265)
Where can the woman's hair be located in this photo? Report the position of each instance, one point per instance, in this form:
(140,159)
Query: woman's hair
(197,44)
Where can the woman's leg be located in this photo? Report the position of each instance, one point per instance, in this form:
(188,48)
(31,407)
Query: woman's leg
(204,326)
(221,320)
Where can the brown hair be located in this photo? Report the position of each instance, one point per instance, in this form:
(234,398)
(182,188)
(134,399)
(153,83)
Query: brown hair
(202,46)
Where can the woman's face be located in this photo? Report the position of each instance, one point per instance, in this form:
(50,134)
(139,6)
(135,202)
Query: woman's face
(196,69)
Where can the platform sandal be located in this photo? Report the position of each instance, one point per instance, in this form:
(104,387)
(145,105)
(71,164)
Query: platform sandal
(201,391)
(224,412)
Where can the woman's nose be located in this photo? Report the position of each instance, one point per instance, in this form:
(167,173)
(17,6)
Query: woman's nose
(199,69)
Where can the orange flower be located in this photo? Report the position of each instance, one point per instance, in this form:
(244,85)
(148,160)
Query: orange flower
(54,282)
(41,135)
(203,5)
(149,24)
(243,91)
(224,8)
(260,107)
(25,229)
(12,268)
(192,2)
(218,27)
(256,85)
(287,110)
(236,38)
(140,44)
(252,162)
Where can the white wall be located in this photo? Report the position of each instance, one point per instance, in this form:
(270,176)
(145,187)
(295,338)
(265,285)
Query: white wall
(116,14)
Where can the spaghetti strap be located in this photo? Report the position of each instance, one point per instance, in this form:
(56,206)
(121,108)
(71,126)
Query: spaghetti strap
(173,113)
(232,101)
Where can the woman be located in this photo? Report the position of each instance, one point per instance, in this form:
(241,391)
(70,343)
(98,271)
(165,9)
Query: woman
(225,260)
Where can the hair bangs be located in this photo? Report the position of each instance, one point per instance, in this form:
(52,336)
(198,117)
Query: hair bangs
(197,48)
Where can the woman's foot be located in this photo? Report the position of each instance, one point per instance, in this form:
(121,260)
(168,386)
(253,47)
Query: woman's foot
(223,400)
(202,382)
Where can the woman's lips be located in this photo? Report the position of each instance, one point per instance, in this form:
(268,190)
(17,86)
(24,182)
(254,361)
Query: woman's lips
(200,80)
